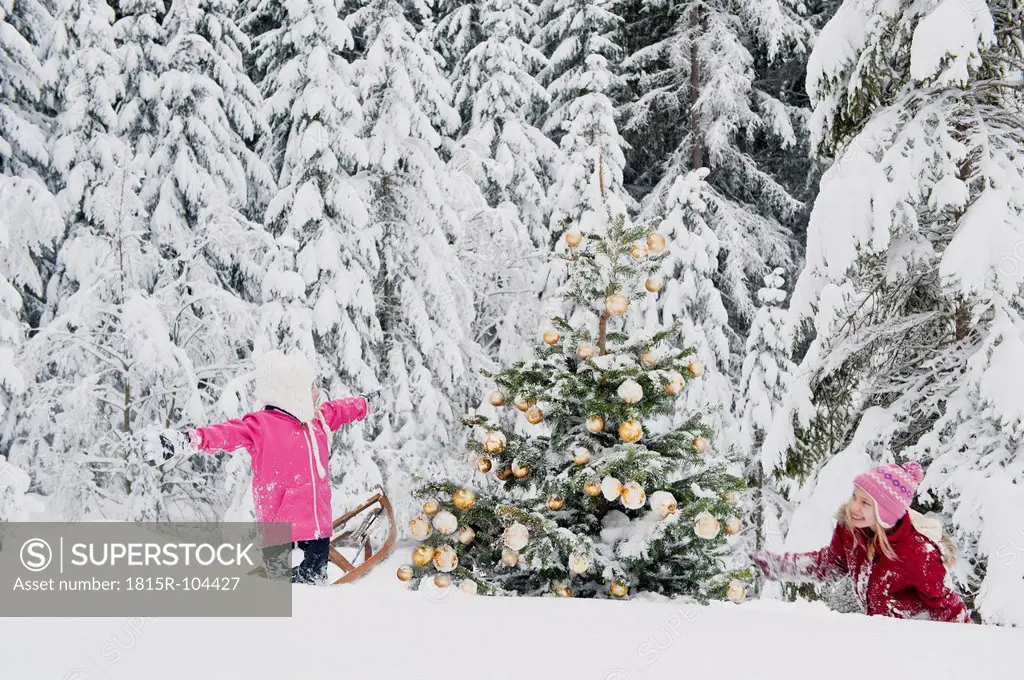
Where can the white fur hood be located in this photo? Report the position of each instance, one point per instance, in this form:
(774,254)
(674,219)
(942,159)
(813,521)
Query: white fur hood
(285,380)
(928,527)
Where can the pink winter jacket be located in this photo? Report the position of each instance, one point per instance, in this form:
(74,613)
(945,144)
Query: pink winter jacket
(289,469)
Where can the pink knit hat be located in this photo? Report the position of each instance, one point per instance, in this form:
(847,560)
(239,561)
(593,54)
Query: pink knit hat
(892,487)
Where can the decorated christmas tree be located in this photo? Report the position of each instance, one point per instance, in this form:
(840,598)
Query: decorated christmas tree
(606,489)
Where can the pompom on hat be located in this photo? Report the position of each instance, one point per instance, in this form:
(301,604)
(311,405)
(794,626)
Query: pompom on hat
(892,487)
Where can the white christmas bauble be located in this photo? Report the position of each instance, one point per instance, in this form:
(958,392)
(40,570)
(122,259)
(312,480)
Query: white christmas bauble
(579,563)
(468,587)
(676,382)
(705,525)
(631,392)
(517,536)
(445,559)
(663,503)
(611,488)
(633,496)
(419,527)
(736,592)
(445,523)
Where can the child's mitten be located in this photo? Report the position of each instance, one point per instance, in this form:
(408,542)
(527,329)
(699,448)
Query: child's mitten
(174,442)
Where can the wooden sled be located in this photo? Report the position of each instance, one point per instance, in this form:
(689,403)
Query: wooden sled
(359,538)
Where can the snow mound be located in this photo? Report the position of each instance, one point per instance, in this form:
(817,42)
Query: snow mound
(376,629)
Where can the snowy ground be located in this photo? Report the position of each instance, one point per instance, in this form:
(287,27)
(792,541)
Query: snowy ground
(376,629)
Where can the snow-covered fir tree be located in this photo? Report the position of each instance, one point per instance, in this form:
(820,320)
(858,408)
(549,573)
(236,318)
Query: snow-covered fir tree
(510,160)
(581,76)
(695,101)
(572,517)
(318,290)
(30,223)
(764,383)
(422,342)
(23,144)
(688,298)
(103,363)
(29,220)
(912,287)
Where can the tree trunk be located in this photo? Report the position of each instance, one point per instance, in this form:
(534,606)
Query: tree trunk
(696,149)
(602,333)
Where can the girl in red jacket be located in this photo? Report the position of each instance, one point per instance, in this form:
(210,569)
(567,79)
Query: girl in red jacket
(891,553)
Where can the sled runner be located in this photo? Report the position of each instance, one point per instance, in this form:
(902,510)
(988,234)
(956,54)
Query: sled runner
(365,557)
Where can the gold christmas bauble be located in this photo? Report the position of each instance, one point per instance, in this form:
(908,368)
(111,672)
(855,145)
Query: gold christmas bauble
(466,535)
(522,403)
(573,238)
(648,359)
(585,352)
(563,591)
(468,586)
(736,592)
(696,369)
(534,415)
(618,589)
(405,573)
(509,557)
(656,243)
(638,252)
(494,442)
(442,580)
(595,424)
(520,471)
(592,488)
(556,503)
(733,525)
(580,456)
(630,431)
(616,304)
(653,285)
(504,474)
(552,337)
(464,499)
(700,444)
(633,495)
(422,555)
(497,398)
(431,507)
(483,464)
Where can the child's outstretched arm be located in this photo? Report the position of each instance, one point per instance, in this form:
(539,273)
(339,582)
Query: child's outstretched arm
(344,411)
(239,433)
(820,565)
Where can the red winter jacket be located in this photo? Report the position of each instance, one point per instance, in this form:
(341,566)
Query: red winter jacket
(912,586)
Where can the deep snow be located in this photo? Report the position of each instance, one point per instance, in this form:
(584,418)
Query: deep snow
(376,629)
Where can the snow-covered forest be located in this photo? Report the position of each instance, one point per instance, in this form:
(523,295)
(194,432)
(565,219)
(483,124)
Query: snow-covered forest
(380,184)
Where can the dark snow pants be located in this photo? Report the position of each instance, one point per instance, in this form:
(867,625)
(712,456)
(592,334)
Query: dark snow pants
(312,569)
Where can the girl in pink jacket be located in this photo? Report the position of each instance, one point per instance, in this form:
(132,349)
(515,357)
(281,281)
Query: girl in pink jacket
(289,442)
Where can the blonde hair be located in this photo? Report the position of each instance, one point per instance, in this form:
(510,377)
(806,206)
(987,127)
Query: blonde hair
(878,542)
